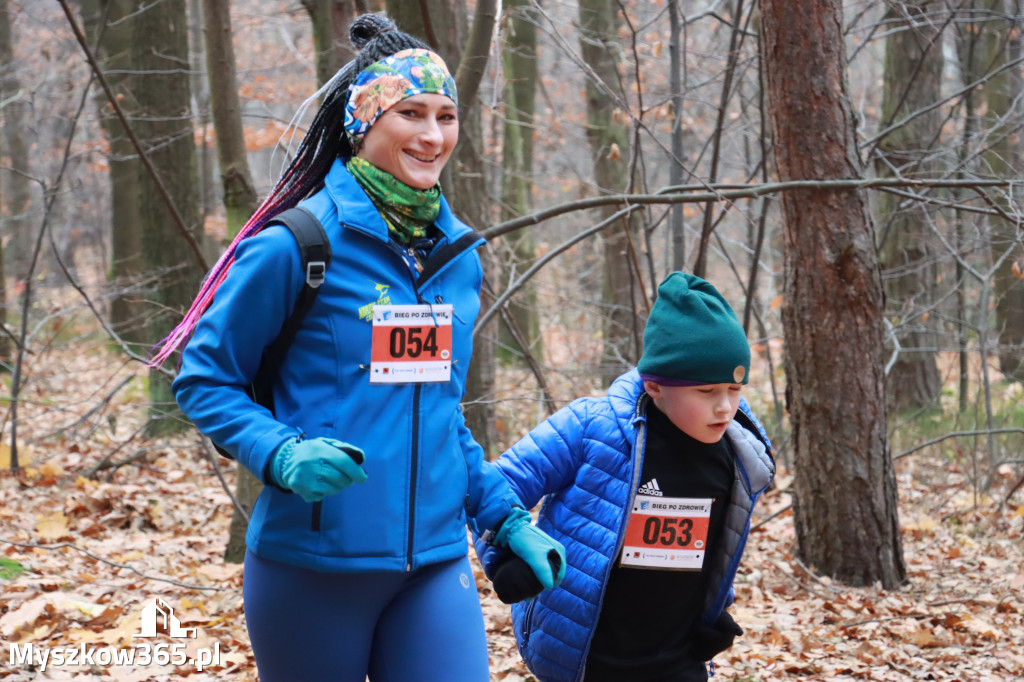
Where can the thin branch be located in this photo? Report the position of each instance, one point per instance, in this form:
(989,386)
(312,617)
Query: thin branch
(691,194)
(69,545)
(955,434)
(214,459)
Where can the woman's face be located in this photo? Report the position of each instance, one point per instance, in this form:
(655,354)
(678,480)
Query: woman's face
(413,139)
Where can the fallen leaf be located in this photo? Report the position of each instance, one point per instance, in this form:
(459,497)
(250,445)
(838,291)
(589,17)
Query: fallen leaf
(52,526)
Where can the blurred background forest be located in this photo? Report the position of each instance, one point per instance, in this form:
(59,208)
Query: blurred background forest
(847,173)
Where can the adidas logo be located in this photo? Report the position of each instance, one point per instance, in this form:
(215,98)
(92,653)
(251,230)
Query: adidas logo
(651,488)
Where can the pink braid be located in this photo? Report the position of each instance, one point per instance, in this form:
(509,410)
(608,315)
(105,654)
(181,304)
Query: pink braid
(267,210)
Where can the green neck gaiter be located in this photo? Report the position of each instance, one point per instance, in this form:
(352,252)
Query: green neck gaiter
(409,212)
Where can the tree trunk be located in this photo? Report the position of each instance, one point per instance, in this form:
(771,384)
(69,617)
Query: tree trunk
(1003,160)
(436,23)
(610,147)
(520,58)
(200,86)
(677,231)
(160,50)
(465,178)
(15,194)
(239,193)
(912,81)
(111,21)
(240,200)
(331,19)
(845,489)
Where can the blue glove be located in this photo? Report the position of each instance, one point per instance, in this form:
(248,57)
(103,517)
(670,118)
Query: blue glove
(316,468)
(544,554)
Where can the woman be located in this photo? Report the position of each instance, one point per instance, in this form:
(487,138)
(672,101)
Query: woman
(356,559)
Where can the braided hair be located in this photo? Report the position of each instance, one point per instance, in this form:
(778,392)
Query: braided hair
(376,37)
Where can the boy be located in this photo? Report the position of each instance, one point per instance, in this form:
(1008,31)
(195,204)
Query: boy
(650,500)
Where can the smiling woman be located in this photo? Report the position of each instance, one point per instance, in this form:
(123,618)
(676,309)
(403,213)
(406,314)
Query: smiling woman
(357,556)
(413,140)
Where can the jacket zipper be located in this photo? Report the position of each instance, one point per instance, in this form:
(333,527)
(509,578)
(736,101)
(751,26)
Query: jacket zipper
(413,472)
(641,443)
(405,254)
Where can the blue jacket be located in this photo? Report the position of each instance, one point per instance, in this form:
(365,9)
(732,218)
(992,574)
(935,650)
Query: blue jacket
(586,460)
(425,471)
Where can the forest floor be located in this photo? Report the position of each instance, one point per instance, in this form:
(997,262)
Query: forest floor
(102,521)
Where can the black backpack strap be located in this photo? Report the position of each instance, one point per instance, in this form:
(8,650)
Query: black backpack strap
(315,254)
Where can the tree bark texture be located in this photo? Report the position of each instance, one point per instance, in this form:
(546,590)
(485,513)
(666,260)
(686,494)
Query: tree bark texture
(331,19)
(845,509)
(15,137)
(240,200)
(520,64)
(10,207)
(434,22)
(610,147)
(1004,159)
(111,22)
(466,177)
(160,49)
(200,86)
(912,81)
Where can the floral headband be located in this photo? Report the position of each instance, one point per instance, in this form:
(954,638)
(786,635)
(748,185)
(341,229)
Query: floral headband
(384,84)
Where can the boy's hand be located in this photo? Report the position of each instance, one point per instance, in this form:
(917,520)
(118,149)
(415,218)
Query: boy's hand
(514,580)
(544,554)
(707,642)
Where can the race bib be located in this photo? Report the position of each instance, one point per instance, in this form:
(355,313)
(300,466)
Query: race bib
(667,533)
(411,344)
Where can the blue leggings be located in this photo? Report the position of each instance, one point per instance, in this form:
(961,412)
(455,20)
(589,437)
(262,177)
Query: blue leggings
(307,626)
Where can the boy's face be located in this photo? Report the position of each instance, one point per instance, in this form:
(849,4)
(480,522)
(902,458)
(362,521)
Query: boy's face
(701,412)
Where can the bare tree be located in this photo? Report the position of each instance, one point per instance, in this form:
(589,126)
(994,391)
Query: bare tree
(331,19)
(520,88)
(15,192)
(1004,158)
(109,24)
(240,202)
(912,81)
(845,488)
(610,147)
(160,50)
(14,153)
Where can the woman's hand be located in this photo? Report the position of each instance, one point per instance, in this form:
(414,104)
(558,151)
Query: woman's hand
(316,468)
(544,555)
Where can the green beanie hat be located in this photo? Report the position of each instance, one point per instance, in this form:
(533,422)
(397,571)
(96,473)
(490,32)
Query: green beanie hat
(693,337)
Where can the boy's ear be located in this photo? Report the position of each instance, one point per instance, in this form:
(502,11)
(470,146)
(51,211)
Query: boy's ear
(653,388)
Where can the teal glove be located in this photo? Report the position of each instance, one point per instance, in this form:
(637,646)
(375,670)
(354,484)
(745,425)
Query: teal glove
(316,468)
(544,554)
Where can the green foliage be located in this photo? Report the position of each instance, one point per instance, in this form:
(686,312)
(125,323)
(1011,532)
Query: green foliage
(9,568)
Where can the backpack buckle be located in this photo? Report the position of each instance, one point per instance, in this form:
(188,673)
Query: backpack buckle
(316,271)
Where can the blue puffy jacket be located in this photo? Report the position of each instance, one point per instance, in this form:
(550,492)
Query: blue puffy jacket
(425,471)
(586,460)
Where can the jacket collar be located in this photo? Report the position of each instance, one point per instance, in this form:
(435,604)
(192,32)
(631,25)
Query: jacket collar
(624,395)
(356,210)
